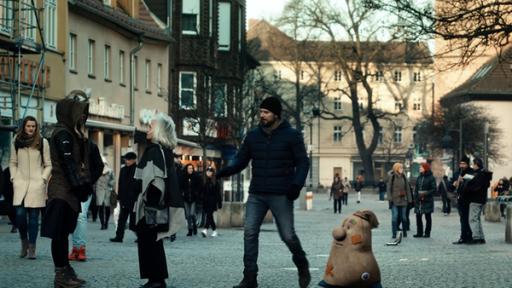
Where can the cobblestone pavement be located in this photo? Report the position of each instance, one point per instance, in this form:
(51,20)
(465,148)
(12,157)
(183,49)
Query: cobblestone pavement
(217,262)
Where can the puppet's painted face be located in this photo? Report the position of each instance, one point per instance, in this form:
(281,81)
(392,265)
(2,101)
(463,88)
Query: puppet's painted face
(352,234)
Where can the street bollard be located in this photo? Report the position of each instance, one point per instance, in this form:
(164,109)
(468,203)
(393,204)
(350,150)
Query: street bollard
(309,200)
(508,228)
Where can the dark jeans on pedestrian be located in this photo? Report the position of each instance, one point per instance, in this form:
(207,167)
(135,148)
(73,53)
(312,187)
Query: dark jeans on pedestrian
(345,198)
(398,212)
(210,222)
(447,205)
(104,212)
(419,223)
(337,205)
(124,213)
(405,226)
(28,226)
(282,210)
(381,195)
(152,262)
(465,230)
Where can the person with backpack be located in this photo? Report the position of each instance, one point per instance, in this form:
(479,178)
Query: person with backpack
(30,168)
(399,196)
(70,183)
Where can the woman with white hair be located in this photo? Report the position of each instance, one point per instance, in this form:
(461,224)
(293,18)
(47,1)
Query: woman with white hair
(159,205)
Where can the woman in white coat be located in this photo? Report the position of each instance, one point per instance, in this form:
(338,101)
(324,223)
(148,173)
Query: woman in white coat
(104,188)
(30,167)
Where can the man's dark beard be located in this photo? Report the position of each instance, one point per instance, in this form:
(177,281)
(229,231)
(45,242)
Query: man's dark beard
(268,124)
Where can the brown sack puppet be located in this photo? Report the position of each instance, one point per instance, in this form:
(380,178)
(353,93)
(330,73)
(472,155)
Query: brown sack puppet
(351,262)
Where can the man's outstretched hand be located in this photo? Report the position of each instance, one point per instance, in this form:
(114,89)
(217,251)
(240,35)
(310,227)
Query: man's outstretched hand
(293,192)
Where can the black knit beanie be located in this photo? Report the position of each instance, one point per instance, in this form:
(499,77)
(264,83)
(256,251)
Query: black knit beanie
(273,105)
(465,159)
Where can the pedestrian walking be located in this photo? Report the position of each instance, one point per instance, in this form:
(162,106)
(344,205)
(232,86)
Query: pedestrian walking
(159,204)
(477,192)
(212,200)
(70,183)
(127,189)
(280,166)
(79,236)
(336,193)
(104,187)
(424,200)
(190,188)
(399,196)
(445,197)
(346,189)
(358,186)
(30,168)
(458,184)
(382,188)
(502,189)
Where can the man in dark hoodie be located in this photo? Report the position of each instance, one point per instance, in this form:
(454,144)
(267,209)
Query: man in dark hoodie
(279,169)
(458,184)
(70,183)
(477,196)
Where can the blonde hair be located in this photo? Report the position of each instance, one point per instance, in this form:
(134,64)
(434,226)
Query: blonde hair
(397,166)
(164,131)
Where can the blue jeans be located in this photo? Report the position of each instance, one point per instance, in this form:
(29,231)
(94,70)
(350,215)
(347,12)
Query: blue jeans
(381,195)
(33,223)
(395,211)
(80,234)
(282,210)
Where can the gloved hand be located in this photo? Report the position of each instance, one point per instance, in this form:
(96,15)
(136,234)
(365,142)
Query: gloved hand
(293,192)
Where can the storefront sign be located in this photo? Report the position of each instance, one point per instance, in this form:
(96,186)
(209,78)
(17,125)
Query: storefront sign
(100,107)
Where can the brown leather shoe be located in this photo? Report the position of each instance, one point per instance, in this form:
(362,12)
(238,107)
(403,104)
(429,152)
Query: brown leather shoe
(24,248)
(64,279)
(32,251)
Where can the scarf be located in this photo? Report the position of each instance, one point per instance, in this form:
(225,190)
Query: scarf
(24,140)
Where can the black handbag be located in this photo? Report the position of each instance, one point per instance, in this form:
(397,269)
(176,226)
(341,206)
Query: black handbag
(157,219)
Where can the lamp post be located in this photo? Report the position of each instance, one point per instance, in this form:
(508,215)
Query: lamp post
(316,113)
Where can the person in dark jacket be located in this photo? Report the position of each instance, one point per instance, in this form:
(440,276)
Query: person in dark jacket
(424,200)
(382,188)
(279,169)
(190,188)
(399,197)
(70,183)
(477,196)
(358,186)
(458,184)
(159,204)
(8,193)
(443,191)
(212,200)
(337,193)
(127,193)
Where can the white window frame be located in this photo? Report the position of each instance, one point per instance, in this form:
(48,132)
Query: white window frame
(106,62)
(417,76)
(224,33)
(91,51)
(240,27)
(51,23)
(121,67)
(397,135)
(337,135)
(6,16)
(379,76)
(338,104)
(29,16)
(147,75)
(416,104)
(225,110)
(194,100)
(192,7)
(72,52)
(397,76)
(380,138)
(398,105)
(337,75)
(210,18)
(159,70)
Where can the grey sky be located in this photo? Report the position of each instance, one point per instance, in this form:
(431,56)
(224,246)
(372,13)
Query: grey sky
(266,9)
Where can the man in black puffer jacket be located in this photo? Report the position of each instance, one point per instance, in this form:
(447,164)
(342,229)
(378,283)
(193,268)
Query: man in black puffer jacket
(477,196)
(279,169)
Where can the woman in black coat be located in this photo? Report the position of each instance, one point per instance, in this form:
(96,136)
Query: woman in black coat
(424,200)
(212,199)
(190,186)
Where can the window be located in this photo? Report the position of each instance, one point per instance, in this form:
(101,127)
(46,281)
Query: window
(361,101)
(277,75)
(106,62)
(398,76)
(147,75)
(337,103)
(6,16)
(301,75)
(224,26)
(90,57)
(190,17)
(398,105)
(220,103)
(416,76)
(416,104)
(380,140)
(241,27)
(160,89)
(107,2)
(50,31)
(72,52)
(121,66)
(28,20)
(337,135)
(337,75)
(397,137)
(135,72)
(210,17)
(379,76)
(187,90)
